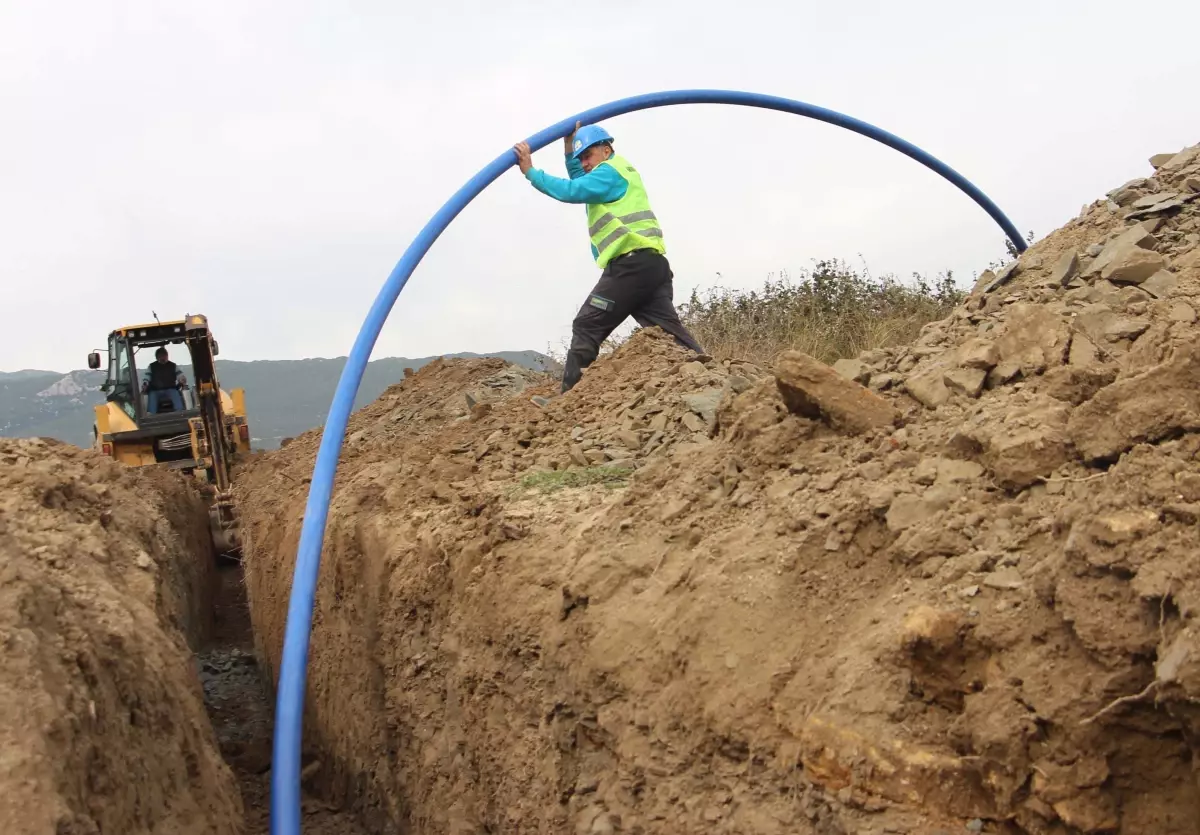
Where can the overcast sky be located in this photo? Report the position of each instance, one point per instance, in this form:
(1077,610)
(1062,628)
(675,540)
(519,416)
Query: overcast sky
(266,163)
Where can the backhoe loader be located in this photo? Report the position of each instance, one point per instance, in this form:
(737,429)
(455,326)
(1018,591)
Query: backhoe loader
(144,428)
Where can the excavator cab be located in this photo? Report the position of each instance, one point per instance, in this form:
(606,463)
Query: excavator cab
(163,430)
(202,438)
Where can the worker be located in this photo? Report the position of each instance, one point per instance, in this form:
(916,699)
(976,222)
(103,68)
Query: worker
(163,378)
(627,245)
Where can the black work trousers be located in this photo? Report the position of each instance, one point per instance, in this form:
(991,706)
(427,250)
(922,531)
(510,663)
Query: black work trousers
(636,284)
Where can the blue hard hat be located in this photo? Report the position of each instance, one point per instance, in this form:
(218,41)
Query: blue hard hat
(586,137)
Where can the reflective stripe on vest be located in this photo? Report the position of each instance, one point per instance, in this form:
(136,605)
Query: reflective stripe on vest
(626,224)
(623,230)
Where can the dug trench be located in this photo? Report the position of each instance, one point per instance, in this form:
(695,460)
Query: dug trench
(240,705)
(118,630)
(944,587)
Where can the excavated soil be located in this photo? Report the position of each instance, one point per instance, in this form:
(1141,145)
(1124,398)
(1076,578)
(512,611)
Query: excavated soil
(102,598)
(118,630)
(950,587)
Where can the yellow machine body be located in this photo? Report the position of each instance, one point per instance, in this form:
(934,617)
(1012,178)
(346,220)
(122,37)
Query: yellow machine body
(204,440)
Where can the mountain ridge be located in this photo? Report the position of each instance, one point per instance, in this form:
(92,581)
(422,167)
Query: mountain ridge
(283,397)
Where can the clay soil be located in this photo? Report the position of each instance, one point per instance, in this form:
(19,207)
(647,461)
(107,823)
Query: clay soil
(118,630)
(952,587)
(102,600)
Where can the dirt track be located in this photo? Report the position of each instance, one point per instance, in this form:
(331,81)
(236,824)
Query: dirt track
(966,600)
(949,587)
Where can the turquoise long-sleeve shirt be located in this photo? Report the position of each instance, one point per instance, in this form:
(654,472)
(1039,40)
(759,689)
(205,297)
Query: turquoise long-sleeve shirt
(603,184)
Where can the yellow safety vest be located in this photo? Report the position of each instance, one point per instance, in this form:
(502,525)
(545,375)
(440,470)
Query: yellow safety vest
(626,224)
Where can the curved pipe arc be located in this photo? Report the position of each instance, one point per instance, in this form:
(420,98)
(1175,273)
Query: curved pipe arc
(289,711)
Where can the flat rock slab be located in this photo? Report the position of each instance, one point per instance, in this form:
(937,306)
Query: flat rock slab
(928,387)
(1034,337)
(978,353)
(1148,407)
(1163,206)
(1131,264)
(704,403)
(1030,445)
(1189,260)
(855,370)
(1005,275)
(1004,579)
(1182,312)
(968,381)
(812,389)
(1066,268)
(1136,236)
(1160,285)
(1153,199)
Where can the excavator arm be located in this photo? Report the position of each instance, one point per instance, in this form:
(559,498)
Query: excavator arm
(211,441)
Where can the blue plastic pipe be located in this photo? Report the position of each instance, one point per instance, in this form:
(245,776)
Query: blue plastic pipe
(289,707)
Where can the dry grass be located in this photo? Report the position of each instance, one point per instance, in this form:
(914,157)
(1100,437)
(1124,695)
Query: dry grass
(831,312)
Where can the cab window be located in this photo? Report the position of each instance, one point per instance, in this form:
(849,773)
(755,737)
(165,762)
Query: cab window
(121,372)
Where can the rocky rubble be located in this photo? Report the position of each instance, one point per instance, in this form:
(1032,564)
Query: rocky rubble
(674,405)
(671,402)
(1108,295)
(941,587)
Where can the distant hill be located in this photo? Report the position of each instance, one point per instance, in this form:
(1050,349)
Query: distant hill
(283,397)
(23,375)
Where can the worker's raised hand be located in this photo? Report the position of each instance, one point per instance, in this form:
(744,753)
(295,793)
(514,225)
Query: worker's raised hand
(524,156)
(569,140)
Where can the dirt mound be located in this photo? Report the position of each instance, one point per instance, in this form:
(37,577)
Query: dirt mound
(105,579)
(951,585)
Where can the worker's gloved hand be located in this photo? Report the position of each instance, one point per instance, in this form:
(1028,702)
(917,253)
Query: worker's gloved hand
(569,141)
(145,387)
